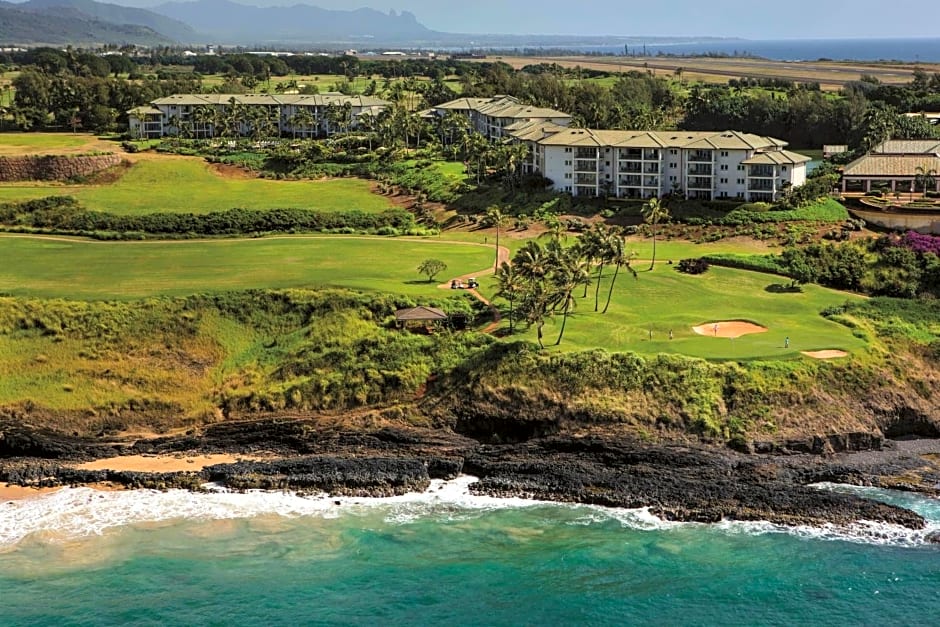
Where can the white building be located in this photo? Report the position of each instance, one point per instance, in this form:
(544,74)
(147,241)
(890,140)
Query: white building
(492,117)
(647,164)
(163,116)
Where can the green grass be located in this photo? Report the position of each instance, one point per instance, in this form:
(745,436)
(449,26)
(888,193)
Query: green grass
(25,143)
(181,185)
(81,269)
(665,300)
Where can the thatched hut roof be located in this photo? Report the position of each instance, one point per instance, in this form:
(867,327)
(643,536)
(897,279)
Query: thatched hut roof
(420,314)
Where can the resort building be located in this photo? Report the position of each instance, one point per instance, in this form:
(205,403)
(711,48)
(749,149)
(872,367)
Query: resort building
(205,115)
(647,164)
(893,165)
(493,117)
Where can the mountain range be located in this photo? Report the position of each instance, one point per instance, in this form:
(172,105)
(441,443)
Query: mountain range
(201,21)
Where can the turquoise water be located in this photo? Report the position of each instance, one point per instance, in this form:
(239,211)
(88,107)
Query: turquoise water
(80,558)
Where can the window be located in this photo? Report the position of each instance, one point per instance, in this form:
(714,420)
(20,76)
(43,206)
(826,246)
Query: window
(673,165)
(673,152)
(607,163)
(568,162)
(568,149)
(740,181)
(672,179)
(784,168)
(724,167)
(567,175)
(724,181)
(740,168)
(724,153)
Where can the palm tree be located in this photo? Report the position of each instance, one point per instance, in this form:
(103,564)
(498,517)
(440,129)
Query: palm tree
(497,219)
(572,270)
(653,213)
(510,287)
(621,258)
(925,178)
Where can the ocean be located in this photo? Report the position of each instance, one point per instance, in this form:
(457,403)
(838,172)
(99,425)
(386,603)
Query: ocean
(911,50)
(80,557)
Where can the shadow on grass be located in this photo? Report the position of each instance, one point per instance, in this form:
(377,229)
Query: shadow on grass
(419,282)
(779,288)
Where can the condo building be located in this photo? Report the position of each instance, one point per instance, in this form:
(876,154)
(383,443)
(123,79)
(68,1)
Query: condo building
(198,113)
(494,117)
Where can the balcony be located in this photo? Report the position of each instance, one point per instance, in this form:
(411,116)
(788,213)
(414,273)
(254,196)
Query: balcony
(582,153)
(761,171)
(700,156)
(631,181)
(651,181)
(700,170)
(631,167)
(697,182)
(651,155)
(633,154)
(761,186)
(583,165)
(651,168)
(585,191)
(585,179)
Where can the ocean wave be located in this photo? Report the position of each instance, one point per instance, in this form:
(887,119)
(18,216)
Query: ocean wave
(76,512)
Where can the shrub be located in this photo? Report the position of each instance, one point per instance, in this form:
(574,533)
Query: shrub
(693,266)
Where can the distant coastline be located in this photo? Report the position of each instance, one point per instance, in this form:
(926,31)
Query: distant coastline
(904,50)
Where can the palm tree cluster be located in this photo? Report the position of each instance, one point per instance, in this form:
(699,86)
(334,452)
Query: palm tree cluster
(542,280)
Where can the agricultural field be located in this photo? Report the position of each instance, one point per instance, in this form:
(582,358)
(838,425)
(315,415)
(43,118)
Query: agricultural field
(74,268)
(190,185)
(830,74)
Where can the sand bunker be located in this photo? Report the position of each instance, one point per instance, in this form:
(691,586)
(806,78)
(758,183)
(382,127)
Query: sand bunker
(729,328)
(826,354)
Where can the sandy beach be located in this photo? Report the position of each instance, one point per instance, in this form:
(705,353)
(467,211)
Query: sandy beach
(18,493)
(162,463)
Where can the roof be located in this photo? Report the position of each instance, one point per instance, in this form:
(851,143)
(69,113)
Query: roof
(420,313)
(503,107)
(908,147)
(324,99)
(891,165)
(777,157)
(144,110)
(703,140)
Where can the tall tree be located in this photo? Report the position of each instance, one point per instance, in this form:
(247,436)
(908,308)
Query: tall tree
(621,258)
(654,212)
(510,287)
(496,218)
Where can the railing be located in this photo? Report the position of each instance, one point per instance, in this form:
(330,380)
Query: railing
(651,181)
(761,171)
(700,170)
(581,165)
(651,155)
(761,186)
(631,153)
(585,179)
(651,168)
(631,181)
(700,183)
(700,157)
(585,154)
(629,166)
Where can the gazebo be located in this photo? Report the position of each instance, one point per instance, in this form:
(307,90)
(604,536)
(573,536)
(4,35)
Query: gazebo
(420,316)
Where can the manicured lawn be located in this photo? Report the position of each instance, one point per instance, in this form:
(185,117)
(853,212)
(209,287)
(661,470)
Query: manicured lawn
(49,143)
(189,185)
(665,300)
(81,269)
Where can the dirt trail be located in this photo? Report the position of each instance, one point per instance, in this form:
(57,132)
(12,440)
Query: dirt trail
(502,257)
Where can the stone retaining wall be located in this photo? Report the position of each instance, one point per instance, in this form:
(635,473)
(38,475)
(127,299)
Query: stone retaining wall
(53,167)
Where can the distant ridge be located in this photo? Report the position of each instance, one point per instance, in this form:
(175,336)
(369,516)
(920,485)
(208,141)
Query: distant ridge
(64,25)
(117,14)
(230,22)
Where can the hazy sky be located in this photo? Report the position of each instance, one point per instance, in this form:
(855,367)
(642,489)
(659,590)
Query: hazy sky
(752,19)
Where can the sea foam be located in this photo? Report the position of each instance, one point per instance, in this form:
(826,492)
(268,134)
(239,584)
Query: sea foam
(77,512)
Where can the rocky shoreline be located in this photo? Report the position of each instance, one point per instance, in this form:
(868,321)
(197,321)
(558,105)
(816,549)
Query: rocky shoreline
(677,481)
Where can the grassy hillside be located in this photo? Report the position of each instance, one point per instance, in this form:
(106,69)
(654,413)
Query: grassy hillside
(190,185)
